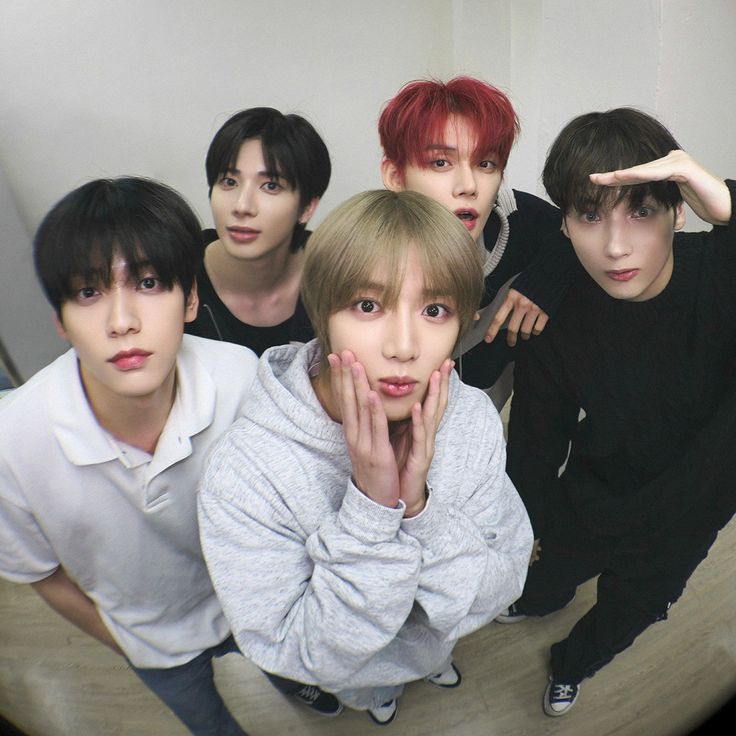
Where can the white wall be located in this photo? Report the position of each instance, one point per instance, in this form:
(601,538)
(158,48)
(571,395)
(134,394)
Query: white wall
(97,88)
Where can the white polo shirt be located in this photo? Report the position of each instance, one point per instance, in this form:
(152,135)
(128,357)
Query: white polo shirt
(121,522)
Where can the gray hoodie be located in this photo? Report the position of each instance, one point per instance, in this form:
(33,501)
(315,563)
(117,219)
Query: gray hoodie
(322,585)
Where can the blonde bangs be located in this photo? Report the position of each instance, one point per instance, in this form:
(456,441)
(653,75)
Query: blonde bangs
(369,237)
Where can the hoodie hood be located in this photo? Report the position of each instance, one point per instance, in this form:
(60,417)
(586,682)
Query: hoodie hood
(284,402)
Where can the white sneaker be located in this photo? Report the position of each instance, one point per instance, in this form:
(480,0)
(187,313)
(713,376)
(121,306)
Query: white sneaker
(384,714)
(450,678)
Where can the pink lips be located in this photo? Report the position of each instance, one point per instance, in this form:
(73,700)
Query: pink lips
(466,215)
(622,274)
(243,234)
(128,360)
(396,386)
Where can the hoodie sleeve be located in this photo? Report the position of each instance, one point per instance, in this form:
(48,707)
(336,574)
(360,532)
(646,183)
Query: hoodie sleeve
(314,607)
(475,534)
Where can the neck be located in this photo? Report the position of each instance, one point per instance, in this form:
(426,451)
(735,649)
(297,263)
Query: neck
(138,420)
(251,276)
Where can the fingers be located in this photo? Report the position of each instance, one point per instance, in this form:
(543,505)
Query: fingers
(706,194)
(534,322)
(673,166)
(499,318)
(363,419)
(526,319)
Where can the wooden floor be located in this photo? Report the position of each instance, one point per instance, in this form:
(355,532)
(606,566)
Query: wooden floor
(55,681)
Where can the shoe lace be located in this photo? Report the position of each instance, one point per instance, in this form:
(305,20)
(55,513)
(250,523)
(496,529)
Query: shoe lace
(561,691)
(309,692)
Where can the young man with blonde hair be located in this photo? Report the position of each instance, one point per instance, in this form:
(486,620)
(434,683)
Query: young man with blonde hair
(358,519)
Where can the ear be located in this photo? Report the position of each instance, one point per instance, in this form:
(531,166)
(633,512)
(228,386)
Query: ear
(680,216)
(192,304)
(60,331)
(392,175)
(308,211)
(563,227)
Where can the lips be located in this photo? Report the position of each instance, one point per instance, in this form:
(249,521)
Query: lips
(243,234)
(396,386)
(466,215)
(622,274)
(128,360)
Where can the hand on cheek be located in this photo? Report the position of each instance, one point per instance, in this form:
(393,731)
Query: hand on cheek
(413,441)
(365,426)
(388,465)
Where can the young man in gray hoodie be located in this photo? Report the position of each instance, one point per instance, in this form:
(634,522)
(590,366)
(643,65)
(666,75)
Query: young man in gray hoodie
(358,520)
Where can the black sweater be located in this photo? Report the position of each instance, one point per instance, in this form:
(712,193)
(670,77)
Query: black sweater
(216,321)
(656,382)
(545,264)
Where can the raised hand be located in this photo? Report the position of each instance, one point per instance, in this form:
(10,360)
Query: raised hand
(706,194)
(413,441)
(375,471)
(526,317)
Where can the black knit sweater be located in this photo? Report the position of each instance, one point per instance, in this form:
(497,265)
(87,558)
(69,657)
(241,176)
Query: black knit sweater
(216,321)
(545,264)
(655,380)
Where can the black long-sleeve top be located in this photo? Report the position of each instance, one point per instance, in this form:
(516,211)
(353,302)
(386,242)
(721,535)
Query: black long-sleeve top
(656,382)
(216,321)
(542,261)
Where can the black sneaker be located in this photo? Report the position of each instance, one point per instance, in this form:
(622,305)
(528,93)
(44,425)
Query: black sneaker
(510,615)
(326,704)
(559,697)
(384,714)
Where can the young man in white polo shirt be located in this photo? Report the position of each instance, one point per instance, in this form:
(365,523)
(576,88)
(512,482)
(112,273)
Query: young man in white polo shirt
(100,452)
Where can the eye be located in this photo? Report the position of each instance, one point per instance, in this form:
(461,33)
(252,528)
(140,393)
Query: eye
(436,311)
(272,187)
(439,163)
(150,283)
(86,293)
(367,306)
(642,212)
(487,165)
(590,217)
(227,182)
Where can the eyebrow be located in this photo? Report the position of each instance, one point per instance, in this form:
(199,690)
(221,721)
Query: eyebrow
(263,174)
(426,293)
(439,147)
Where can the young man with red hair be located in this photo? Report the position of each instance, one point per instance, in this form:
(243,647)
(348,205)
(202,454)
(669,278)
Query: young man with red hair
(451,141)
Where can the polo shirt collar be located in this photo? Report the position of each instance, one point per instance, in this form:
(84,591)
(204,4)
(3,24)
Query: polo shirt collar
(84,442)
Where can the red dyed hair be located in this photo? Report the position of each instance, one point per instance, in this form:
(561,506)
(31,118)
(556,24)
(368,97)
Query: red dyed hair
(416,117)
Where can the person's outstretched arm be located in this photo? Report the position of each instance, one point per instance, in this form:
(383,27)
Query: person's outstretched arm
(707,195)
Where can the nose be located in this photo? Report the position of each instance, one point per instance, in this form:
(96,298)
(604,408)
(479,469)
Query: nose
(465,184)
(245,202)
(400,341)
(618,244)
(122,317)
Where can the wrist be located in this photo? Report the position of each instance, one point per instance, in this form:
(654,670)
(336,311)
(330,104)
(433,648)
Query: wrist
(418,506)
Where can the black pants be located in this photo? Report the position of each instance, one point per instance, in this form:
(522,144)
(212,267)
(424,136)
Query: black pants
(640,577)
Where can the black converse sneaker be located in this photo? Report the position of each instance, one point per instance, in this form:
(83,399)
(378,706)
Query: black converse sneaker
(326,704)
(510,615)
(559,697)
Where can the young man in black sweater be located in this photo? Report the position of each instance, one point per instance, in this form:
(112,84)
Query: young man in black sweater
(643,344)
